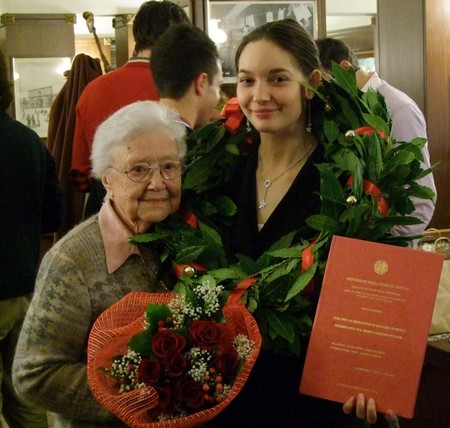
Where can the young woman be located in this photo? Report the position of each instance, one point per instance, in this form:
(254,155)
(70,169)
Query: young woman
(276,191)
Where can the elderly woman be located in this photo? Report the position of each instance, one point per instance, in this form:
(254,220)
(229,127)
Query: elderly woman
(137,154)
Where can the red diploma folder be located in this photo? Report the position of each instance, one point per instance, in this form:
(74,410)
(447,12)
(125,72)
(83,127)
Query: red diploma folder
(372,322)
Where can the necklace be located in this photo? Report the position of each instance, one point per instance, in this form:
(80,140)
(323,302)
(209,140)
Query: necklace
(267,183)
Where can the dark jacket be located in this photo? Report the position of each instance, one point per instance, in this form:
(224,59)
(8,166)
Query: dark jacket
(30,204)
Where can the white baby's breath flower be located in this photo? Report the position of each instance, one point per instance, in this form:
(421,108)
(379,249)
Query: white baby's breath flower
(209,292)
(199,359)
(243,345)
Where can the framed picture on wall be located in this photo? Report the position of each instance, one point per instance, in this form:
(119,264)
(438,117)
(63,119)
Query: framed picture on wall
(229,21)
(37,81)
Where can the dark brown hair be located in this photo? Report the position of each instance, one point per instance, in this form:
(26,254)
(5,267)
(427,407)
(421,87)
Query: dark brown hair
(290,36)
(153,18)
(335,50)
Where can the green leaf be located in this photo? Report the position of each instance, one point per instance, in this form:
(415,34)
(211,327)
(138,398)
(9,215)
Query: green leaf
(322,222)
(355,217)
(286,252)
(283,270)
(346,79)
(392,221)
(142,343)
(371,100)
(302,281)
(377,122)
(155,313)
(252,304)
(224,273)
(225,206)
(352,119)
(374,162)
(190,254)
(148,237)
(331,130)
(331,192)
(198,175)
(419,191)
(274,291)
(280,323)
(209,233)
(231,148)
(346,160)
(401,158)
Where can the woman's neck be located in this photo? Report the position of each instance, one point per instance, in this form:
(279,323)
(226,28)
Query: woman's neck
(283,150)
(280,160)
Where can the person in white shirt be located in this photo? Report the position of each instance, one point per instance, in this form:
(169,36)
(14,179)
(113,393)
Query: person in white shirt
(408,122)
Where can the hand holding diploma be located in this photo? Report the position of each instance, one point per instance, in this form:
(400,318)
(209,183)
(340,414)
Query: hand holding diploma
(368,410)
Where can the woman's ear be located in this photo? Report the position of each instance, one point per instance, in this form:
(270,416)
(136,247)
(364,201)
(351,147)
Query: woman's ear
(314,80)
(107,185)
(105,182)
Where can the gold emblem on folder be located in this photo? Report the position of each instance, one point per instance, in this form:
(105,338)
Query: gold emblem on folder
(381,267)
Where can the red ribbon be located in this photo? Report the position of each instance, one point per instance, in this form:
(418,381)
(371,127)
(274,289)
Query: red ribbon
(370,188)
(307,262)
(368,130)
(180,269)
(240,289)
(190,218)
(233,113)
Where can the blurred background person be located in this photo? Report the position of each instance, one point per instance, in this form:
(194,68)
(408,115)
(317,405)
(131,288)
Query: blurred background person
(31,205)
(408,122)
(108,93)
(187,71)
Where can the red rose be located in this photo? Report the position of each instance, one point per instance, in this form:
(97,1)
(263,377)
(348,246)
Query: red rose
(227,362)
(176,364)
(149,371)
(166,342)
(165,402)
(205,334)
(189,392)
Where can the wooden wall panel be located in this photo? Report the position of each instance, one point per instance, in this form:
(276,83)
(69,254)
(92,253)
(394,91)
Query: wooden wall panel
(400,46)
(39,36)
(414,55)
(437,84)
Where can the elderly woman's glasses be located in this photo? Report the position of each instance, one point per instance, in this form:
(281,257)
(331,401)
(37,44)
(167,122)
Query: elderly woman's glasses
(141,173)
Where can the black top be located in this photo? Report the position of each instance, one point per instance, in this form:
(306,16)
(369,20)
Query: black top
(301,201)
(31,203)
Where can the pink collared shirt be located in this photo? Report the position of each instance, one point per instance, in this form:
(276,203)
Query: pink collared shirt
(116,238)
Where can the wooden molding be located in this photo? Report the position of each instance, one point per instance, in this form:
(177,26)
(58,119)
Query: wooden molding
(7,19)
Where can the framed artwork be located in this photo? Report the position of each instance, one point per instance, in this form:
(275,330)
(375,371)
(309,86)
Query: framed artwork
(37,81)
(229,21)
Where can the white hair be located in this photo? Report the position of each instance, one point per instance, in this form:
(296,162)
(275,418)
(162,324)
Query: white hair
(136,118)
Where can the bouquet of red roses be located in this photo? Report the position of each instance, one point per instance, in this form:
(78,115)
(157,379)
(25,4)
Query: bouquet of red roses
(173,359)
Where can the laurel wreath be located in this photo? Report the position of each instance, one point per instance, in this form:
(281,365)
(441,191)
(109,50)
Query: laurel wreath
(367,180)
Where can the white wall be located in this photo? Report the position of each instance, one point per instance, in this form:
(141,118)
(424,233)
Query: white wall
(348,13)
(337,7)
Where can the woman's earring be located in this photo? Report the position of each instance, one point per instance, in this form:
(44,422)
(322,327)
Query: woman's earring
(248,127)
(309,126)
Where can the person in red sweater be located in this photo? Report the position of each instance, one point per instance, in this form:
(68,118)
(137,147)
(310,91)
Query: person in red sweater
(112,91)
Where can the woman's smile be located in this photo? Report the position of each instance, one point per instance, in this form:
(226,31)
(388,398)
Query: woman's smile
(264,113)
